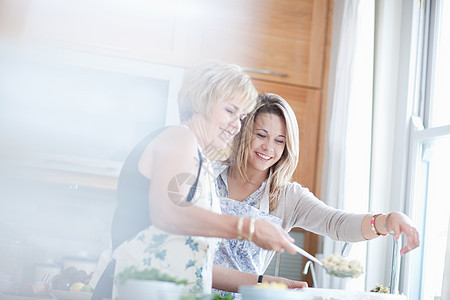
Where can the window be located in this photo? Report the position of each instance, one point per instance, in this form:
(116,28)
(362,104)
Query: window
(429,160)
(438,101)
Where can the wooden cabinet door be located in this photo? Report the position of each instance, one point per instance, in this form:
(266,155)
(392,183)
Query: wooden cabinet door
(306,104)
(277,40)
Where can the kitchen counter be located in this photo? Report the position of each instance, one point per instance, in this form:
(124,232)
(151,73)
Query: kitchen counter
(252,293)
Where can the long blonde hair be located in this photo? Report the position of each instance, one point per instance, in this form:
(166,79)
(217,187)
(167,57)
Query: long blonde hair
(281,171)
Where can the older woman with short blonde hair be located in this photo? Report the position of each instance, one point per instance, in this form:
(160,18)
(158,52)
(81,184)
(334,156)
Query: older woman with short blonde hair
(215,82)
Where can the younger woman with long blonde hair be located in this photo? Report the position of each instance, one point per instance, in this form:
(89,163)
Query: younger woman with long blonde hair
(255,182)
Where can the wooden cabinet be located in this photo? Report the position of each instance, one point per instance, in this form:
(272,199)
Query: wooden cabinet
(277,40)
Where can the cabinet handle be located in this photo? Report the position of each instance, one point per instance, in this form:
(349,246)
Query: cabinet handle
(265,72)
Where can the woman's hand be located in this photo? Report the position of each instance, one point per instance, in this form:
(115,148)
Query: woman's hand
(398,223)
(230,280)
(272,236)
(294,284)
(291,284)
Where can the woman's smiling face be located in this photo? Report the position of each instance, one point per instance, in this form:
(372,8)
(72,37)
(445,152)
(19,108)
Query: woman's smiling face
(225,122)
(268,141)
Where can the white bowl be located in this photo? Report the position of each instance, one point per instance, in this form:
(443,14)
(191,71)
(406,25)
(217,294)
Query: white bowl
(137,289)
(259,293)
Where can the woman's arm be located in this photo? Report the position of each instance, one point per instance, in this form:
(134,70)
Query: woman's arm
(395,223)
(303,209)
(229,279)
(174,152)
(298,207)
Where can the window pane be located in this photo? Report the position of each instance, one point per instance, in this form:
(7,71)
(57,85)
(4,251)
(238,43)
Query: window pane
(436,214)
(440,93)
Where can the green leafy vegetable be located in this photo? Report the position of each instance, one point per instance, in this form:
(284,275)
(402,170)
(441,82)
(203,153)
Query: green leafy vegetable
(190,297)
(218,297)
(380,289)
(214,297)
(147,274)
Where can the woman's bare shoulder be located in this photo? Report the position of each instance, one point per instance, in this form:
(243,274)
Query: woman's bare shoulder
(173,146)
(175,138)
(176,146)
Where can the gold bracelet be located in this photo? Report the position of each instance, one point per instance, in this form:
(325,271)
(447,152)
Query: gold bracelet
(251,229)
(239,228)
(372,225)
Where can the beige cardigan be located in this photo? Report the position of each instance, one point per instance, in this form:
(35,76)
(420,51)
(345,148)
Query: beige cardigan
(298,207)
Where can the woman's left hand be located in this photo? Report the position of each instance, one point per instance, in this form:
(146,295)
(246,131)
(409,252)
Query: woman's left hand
(294,284)
(398,223)
(291,284)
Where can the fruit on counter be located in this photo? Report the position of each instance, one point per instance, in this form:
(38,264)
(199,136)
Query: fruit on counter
(69,272)
(72,279)
(87,288)
(81,287)
(79,276)
(60,282)
(76,287)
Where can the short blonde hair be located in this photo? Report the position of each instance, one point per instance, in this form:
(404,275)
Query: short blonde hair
(207,84)
(282,171)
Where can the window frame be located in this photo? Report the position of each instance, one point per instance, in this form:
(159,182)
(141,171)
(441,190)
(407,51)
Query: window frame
(420,133)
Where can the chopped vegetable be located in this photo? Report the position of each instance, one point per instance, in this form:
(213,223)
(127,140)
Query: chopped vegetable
(337,264)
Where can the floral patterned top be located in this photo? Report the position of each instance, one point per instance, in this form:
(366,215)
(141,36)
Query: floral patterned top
(183,257)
